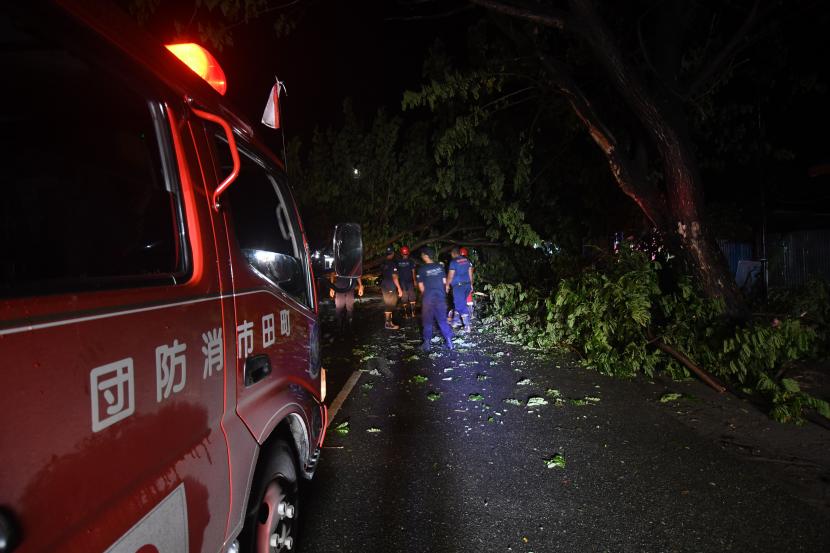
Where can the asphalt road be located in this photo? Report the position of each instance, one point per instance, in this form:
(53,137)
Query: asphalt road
(446,465)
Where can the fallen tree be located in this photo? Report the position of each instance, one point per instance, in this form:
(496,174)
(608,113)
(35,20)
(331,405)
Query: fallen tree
(627,314)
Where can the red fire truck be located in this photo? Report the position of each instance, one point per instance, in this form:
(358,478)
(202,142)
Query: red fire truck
(159,353)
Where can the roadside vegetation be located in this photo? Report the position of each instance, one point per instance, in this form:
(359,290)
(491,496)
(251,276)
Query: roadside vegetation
(625,314)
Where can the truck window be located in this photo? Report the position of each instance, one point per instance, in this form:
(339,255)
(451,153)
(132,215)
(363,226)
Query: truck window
(85,202)
(263,215)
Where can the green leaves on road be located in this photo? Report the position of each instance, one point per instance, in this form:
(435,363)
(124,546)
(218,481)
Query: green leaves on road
(419,379)
(536,401)
(555,462)
(433,396)
(343,428)
(475,397)
(587,400)
(672,396)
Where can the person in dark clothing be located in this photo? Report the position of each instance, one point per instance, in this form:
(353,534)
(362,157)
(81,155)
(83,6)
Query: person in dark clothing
(431,283)
(460,280)
(344,301)
(389,287)
(470,303)
(406,280)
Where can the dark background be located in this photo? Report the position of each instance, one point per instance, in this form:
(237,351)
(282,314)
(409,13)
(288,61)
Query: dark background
(369,51)
(372,50)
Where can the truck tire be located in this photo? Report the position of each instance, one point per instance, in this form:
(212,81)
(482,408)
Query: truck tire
(272,519)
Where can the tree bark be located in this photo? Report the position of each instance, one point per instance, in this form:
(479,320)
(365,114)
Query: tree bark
(677,215)
(628,175)
(684,186)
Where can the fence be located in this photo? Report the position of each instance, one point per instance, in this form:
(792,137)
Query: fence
(794,257)
(734,252)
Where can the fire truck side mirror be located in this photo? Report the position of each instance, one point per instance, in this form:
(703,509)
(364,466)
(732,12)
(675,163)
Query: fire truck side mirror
(348,250)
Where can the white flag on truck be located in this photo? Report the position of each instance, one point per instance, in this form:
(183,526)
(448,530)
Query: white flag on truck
(271,116)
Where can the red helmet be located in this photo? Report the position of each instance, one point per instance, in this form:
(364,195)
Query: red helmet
(463,251)
(404,250)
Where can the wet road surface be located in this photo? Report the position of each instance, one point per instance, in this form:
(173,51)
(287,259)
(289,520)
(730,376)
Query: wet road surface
(444,453)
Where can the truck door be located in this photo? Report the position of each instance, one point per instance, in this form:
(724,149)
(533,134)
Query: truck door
(277,351)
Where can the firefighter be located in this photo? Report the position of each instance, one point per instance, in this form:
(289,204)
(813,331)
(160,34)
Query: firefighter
(463,251)
(453,316)
(431,283)
(406,280)
(460,280)
(344,301)
(390,287)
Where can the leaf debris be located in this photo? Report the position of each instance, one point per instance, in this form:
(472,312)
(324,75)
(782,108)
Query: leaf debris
(536,401)
(671,396)
(555,462)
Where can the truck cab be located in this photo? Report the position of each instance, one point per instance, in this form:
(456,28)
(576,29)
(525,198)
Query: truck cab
(159,335)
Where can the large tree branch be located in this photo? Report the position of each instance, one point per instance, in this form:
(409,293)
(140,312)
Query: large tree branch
(409,231)
(551,18)
(647,56)
(678,160)
(631,180)
(473,243)
(683,182)
(503,98)
(718,61)
(665,126)
(627,174)
(585,22)
(450,237)
(446,237)
(442,15)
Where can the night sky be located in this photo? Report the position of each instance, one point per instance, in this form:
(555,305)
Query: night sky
(337,50)
(370,51)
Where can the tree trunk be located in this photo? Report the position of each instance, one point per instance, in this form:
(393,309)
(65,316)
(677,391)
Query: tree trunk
(701,252)
(684,186)
(678,213)
(629,175)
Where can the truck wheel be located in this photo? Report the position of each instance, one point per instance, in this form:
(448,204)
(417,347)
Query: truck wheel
(271,524)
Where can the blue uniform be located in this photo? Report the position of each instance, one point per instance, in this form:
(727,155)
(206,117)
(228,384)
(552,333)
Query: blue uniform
(434,301)
(461,285)
(405,267)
